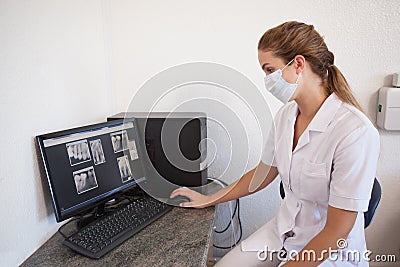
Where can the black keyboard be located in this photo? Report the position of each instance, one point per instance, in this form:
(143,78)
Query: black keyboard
(106,233)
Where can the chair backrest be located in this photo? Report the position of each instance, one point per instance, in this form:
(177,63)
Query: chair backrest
(376,194)
(373,203)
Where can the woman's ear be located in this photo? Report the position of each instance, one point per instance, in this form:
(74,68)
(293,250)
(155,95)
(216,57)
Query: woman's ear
(299,63)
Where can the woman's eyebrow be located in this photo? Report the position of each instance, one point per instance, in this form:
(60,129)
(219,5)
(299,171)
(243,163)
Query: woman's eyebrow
(264,65)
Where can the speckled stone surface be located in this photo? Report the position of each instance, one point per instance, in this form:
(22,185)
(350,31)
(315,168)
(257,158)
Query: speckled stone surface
(180,238)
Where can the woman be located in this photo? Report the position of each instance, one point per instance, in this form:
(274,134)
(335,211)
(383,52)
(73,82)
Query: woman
(326,153)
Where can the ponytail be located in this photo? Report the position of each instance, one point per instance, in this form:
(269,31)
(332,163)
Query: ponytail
(337,83)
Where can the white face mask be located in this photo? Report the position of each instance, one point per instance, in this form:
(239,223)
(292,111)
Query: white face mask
(278,87)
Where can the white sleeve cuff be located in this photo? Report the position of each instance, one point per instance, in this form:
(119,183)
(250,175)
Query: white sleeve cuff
(348,203)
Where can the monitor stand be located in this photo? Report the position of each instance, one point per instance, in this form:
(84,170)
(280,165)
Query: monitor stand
(87,219)
(117,202)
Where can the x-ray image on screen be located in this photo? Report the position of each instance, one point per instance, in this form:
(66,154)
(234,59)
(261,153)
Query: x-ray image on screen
(97,152)
(119,141)
(78,152)
(124,168)
(85,180)
(133,150)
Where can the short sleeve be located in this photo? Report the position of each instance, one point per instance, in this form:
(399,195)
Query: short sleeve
(354,169)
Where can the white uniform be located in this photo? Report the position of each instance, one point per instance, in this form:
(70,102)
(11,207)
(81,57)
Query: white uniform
(334,163)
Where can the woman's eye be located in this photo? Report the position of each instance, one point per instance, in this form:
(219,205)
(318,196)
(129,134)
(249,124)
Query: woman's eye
(269,70)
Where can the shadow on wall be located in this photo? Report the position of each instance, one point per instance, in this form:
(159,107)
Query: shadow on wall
(43,197)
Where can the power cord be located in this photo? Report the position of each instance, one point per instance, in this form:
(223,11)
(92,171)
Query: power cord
(240,230)
(230,221)
(237,209)
(65,224)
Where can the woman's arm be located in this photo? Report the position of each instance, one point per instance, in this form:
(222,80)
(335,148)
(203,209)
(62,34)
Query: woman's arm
(262,176)
(338,225)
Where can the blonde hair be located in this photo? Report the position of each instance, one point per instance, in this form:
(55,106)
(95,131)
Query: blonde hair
(295,38)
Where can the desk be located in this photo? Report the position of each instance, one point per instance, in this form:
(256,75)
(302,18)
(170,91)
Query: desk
(182,237)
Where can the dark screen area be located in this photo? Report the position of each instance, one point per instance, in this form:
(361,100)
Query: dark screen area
(189,138)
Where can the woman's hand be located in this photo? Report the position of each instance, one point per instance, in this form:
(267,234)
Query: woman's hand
(197,200)
(264,175)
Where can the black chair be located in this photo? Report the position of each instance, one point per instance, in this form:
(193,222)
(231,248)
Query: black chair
(373,202)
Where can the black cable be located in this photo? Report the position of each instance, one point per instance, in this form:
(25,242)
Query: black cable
(240,224)
(230,221)
(237,208)
(65,224)
(240,231)
(234,212)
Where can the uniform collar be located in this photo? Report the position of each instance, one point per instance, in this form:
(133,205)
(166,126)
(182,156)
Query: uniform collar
(324,115)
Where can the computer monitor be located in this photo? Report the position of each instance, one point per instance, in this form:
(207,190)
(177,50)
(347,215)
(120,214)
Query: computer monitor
(186,132)
(87,166)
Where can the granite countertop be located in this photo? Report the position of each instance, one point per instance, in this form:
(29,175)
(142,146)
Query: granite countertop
(180,238)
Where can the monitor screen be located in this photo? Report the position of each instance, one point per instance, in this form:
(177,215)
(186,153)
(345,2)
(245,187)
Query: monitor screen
(88,165)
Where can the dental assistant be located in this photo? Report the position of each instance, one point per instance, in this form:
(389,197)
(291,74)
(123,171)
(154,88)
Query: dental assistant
(325,151)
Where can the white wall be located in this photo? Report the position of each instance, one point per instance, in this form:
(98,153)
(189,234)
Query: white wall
(65,63)
(52,76)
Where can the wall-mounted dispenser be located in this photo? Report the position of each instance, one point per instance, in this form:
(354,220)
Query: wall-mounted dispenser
(388,115)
